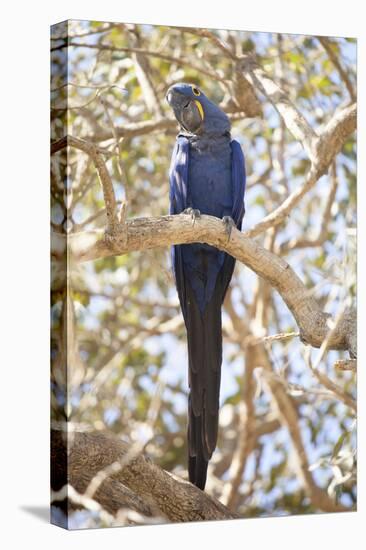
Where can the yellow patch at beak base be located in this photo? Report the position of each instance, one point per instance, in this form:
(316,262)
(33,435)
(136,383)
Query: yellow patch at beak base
(200,108)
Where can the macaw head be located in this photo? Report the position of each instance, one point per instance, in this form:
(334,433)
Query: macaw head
(195,112)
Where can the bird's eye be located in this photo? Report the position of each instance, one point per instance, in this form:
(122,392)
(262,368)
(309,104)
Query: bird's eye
(196,91)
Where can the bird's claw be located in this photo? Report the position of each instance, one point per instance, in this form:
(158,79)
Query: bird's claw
(193,212)
(229,224)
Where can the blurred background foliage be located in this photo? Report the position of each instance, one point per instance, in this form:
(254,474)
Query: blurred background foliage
(126,339)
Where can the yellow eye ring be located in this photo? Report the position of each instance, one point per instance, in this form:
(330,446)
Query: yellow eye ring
(196,91)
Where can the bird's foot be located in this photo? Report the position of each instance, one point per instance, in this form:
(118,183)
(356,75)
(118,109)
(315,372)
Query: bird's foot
(193,212)
(229,224)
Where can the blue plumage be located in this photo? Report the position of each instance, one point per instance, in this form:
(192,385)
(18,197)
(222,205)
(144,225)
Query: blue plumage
(207,174)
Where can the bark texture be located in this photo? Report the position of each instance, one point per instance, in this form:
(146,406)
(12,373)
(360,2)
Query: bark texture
(137,483)
(145,233)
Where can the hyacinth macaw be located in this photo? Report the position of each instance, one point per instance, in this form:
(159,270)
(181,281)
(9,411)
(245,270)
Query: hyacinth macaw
(207,175)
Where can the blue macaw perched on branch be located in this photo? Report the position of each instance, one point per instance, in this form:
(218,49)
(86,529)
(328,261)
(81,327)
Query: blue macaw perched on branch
(207,175)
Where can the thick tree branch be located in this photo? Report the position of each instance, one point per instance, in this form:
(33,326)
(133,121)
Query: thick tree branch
(287,412)
(139,484)
(289,417)
(325,148)
(105,180)
(321,150)
(332,138)
(146,233)
(294,120)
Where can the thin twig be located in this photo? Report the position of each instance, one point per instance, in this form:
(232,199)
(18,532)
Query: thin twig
(328,46)
(253,341)
(133,451)
(158,55)
(205,33)
(104,178)
(99,89)
(122,171)
(319,240)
